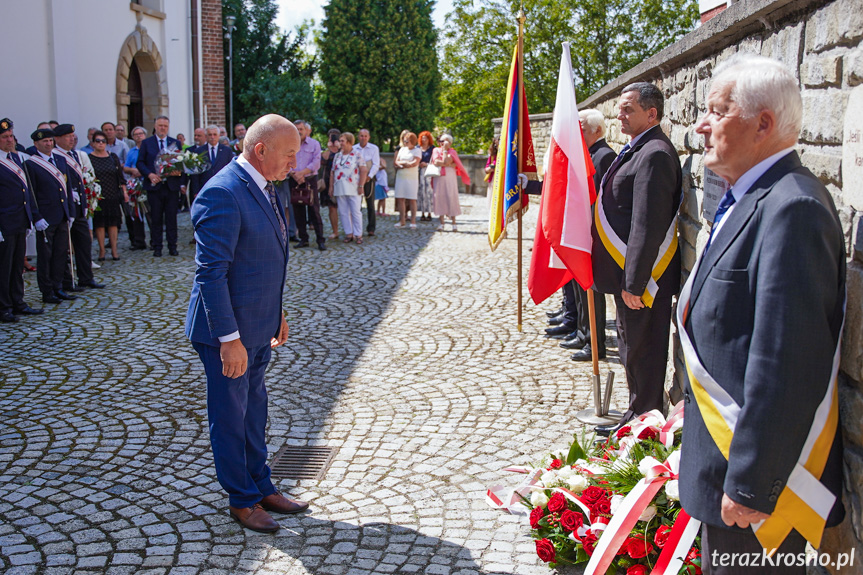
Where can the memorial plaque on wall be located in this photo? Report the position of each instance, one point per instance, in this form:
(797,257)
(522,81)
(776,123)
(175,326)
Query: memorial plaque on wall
(852,150)
(714,188)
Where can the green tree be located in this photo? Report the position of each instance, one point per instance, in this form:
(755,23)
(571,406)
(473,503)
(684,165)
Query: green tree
(607,38)
(378,66)
(273,72)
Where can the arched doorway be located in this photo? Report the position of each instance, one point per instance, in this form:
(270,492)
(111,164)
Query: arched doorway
(142,88)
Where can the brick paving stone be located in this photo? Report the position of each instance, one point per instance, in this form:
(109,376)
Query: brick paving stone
(404,357)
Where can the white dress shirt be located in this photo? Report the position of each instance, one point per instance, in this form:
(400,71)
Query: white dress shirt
(372,154)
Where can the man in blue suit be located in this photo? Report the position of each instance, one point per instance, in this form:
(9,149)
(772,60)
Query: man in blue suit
(235,314)
(163,193)
(219,156)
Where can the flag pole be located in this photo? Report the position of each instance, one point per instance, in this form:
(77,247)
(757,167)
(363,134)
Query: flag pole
(521,19)
(600,414)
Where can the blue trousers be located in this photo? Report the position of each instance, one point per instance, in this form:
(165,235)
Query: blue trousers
(237,412)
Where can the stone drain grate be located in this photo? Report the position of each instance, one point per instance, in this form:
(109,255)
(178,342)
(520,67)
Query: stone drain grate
(302,462)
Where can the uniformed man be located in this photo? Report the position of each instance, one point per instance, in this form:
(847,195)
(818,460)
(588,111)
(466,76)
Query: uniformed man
(78,162)
(48,174)
(17,212)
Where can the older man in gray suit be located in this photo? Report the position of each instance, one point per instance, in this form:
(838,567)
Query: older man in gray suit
(762,318)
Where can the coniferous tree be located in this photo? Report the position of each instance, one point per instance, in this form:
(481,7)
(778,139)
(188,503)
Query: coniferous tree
(378,66)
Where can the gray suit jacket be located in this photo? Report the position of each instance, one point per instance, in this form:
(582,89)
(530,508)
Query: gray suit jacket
(765,316)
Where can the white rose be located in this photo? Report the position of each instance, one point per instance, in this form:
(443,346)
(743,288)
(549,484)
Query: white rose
(548,478)
(538,499)
(616,500)
(565,473)
(647,464)
(648,514)
(672,490)
(577,483)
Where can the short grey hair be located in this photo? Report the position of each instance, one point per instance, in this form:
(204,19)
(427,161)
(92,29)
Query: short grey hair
(212,127)
(446,137)
(132,133)
(157,118)
(649,96)
(593,119)
(761,83)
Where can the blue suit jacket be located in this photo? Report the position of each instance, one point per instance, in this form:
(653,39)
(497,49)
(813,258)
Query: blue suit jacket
(17,208)
(241,261)
(51,199)
(224,155)
(147,155)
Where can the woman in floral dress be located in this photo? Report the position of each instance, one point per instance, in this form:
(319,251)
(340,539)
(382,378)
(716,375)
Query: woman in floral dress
(347,170)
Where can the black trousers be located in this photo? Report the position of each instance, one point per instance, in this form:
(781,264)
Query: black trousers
(82,244)
(304,213)
(52,257)
(163,211)
(369,193)
(642,338)
(722,547)
(137,235)
(584,315)
(571,306)
(13,248)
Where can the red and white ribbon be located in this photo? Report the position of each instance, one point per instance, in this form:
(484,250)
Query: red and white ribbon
(501,497)
(677,545)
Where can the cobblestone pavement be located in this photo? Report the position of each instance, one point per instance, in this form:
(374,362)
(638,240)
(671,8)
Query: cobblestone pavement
(404,356)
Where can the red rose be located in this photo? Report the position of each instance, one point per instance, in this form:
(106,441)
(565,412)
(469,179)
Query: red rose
(545,550)
(638,547)
(624,431)
(602,507)
(588,542)
(557,503)
(638,570)
(556,464)
(591,495)
(535,516)
(693,554)
(661,536)
(648,433)
(571,521)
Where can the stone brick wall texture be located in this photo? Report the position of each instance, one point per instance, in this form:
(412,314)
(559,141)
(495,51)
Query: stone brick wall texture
(821,42)
(213,62)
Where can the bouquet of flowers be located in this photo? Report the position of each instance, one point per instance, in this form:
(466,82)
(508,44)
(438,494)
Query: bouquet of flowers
(92,191)
(173,162)
(137,198)
(613,505)
(237,147)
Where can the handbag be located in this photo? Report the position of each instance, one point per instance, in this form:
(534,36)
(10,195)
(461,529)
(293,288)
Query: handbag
(302,193)
(432,171)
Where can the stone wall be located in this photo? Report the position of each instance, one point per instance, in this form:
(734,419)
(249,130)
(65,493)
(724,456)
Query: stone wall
(821,42)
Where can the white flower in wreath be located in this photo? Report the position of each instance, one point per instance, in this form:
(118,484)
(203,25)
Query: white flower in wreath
(577,483)
(672,490)
(548,478)
(616,500)
(646,464)
(538,499)
(648,513)
(565,473)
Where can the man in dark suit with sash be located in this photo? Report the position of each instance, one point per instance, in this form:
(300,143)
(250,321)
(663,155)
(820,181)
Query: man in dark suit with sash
(48,174)
(761,319)
(635,256)
(17,212)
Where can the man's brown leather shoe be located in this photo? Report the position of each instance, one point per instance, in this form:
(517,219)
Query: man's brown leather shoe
(254,518)
(281,504)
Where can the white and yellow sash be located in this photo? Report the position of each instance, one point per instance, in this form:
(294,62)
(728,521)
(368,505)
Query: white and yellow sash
(805,502)
(51,169)
(617,248)
(14,168)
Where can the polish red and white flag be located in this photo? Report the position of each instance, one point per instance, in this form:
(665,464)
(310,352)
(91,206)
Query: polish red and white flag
(562,244)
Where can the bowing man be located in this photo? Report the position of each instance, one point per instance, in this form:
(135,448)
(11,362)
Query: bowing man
(761,319)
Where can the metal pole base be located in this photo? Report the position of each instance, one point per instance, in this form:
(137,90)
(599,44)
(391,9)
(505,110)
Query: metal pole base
(589,417)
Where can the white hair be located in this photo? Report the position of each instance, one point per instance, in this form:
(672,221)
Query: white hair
(761,83)
(212,127)
(446,137)
(593,119)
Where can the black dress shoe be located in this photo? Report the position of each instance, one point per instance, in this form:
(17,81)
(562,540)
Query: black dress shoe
(302,244)
(606,430)
(575,335)
(64,296)
(173,252)
(586,354)
(50,299)
(574,343)
(556,320)
(293,239)
(559,332)
(551,314)
(27,310)
(8,317)
(157,253)
(135,248)
(322,247)
(94,284)
(73,289)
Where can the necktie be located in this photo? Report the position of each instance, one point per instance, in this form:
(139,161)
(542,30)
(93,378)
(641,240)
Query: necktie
(614,164)
(271,191)
(727,201)
(74,157)
(212,155)
(14,158)
(162,145)
(51,161)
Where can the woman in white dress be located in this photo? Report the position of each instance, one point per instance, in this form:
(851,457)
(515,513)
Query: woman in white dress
(348,169)
(446,185)
(407,179)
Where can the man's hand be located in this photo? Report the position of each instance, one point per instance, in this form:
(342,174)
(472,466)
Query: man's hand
(41,225)
(734,513)
(154,178)
(631,301)
(283,333)
(235,359)
(299,178)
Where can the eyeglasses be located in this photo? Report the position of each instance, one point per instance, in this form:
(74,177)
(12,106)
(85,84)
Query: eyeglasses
(99,141)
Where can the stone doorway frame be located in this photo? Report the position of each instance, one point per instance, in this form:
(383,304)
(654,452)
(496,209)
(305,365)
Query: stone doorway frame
(140,48)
